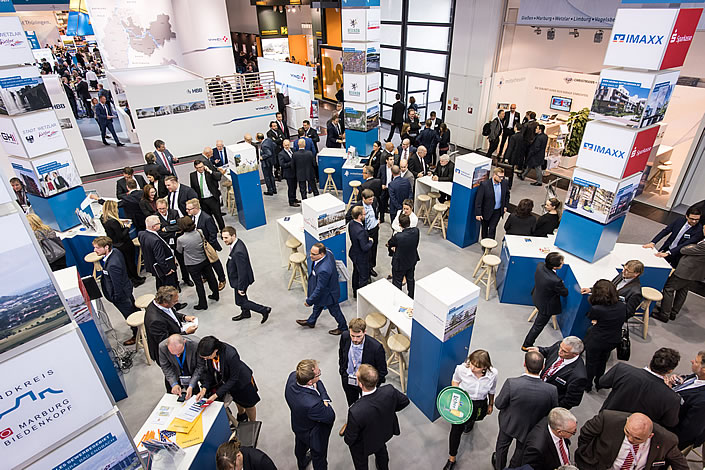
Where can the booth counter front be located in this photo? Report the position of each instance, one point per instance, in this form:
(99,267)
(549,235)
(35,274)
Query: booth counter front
(331,158)
(521,255)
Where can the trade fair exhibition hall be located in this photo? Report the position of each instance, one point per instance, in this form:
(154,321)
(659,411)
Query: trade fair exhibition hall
(278,234)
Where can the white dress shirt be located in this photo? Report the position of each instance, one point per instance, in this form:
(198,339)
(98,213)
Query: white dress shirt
(681,232)
(370,392)
(557,443)
(413,221)
(174,201)
(476,388)
(170,313)
(389,175)
(639,460)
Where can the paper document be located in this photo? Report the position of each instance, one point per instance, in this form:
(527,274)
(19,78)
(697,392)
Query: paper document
(192,409)
(186,325)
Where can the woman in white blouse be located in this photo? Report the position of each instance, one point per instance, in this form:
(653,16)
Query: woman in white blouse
(408,208)
(479,380)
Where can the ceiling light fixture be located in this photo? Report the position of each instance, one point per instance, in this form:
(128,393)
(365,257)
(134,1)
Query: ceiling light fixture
(598,36)
(575,33)
(551,34)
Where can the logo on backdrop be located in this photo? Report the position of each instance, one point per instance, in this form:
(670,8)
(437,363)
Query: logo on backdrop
(29,138)
(603,150)
(298,76)
(9,138)
(675,39)
(12,39)
(638,38)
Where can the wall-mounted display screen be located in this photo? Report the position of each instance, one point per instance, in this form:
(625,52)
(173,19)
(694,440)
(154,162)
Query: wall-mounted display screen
(559,103)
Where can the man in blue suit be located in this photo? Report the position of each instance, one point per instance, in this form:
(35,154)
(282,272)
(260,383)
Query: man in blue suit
(360,246)
(323,289)
(312,416)
(104,115)
(164,158)
(683,231)
(491,202)
(115,282)
(399,189)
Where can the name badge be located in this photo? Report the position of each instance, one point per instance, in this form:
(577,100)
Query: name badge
(658,464)
(352,380)
(560,381)
(184,380)
(313,272)
(686,235)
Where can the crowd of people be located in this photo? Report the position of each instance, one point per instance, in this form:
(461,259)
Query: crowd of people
(650,415)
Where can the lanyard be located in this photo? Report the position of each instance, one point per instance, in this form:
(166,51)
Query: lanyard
(181,360)
(216,364)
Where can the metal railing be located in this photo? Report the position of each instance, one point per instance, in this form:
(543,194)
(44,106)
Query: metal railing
(240,87)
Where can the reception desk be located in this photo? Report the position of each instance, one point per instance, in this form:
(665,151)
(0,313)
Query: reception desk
(520,256)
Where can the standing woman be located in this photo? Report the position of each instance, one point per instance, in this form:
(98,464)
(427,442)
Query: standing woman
(197,263)
(52,247)
(407,207)
(548,223)
(375,156)
(148,203)
(444,142)
(608,314)
(404,134)
(119,233)
(412,104)
(479,380)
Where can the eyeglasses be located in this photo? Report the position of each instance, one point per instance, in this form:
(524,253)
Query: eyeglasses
(572,433)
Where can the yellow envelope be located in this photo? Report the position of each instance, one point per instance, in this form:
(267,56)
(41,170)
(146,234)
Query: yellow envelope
(193,437)
(182,426)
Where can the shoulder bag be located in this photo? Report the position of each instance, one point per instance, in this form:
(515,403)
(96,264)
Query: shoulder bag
(211,254)
(625,345)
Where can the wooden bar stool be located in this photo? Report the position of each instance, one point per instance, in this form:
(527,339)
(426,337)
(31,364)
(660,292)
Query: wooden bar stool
(354,196)
(446,214)
(438,221)
(398,345)
(489,275)
(330,183)
(143,301)
(434,195)
(297,261)
(535,311)
(487,244)
(136,242)
(136,320)
(650,295)
(97,267)
(424,208)
(376,321)
(293,244)
(230,201)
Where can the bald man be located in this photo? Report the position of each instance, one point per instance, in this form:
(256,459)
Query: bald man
(302,163)
(618,440)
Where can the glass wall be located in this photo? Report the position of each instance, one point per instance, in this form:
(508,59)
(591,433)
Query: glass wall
(416,42)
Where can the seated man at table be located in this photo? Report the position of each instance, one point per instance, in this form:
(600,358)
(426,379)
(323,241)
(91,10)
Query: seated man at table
(181,364)
(628,285)
(444,172)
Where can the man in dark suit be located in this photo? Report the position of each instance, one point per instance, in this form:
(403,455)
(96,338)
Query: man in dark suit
(399,189)
(616,439)
(405,246)
(547,444)
(276,134)
(169,231)
(241,276)
(157,255)
(429,138)
(510,123)
(178,194)
(417,162)
(643,390)
(183,368)
(85,95)
(546,294)
(372,420)
(161,320)
(116,285)
(268,157)
(435,122)
(404,151)
(370,222)
(414,125)
(683,231)
(164,158)
(690,270)
(523,402)
(371,183)
(360,246)
(628,285)
(286,163)
(108,94)
(323,289)
(491,202)
(282,126)
(565,370)
(302,163)
(220,154)
(104,115)
(128,174)
(333,137)
(691,418)
(398,109)
(70,95)
(206,225)
(340,111)
(357,348)
(206,184)
(385,176)
(536,156)
(312,134)
(130,203)
(312,415)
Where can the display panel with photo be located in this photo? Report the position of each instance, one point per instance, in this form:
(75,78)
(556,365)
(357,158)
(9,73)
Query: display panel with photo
(657,104)
(460,318)
(619,100)
(481,173)
(25,172)
(22,90)
(57,173)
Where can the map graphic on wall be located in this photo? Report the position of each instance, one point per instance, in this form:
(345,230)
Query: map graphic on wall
(135,37)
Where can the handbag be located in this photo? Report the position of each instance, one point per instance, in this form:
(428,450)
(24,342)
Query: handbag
(625,345)
(211,254)
(52,248)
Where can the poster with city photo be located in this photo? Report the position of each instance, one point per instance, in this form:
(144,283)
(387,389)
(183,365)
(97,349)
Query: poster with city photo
(460,318)
(29,303)
(657,104)
(481,173)
(619,101)
(57,173)
(22,90)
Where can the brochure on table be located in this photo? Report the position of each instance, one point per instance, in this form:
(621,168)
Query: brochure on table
(14,46)
(361,57)
(599,197)
(22,90)
(361,24)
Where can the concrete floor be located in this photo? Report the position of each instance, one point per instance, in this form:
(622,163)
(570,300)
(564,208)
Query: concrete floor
(273,350)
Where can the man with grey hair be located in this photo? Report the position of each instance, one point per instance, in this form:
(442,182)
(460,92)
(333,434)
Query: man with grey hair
(157,255)
(565,369)
(417,162)
(181,364)
(547,443)
(405,151)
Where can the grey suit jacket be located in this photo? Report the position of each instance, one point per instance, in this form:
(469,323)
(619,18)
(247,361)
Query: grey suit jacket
(523,402)
(692,263)
(170,366)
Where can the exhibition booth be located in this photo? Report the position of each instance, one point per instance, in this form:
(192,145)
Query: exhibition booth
(295,82)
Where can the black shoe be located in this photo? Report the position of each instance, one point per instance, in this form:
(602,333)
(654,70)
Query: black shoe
(298,201)
(265,315)
(537,184)
(494,459)
(214,297)
(138,282)
(449,465)
(588,389)
(672,316)
(180,306)
(520,176)
(106,143)
(241,418)
(305,323)
(120,144)
(373,273)
(468,426)
(201,307)
(294,204)
(189,282)
(241,317)
(660,316)
(223,214)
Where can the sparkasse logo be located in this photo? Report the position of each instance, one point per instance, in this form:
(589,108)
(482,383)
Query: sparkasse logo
(675,39)
(603,150)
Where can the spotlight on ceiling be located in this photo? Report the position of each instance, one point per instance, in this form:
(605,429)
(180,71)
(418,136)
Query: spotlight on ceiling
(537,30)
(575,33)
(551,34)
(598,36)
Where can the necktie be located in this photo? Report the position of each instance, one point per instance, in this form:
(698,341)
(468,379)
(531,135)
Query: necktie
(106,110)
(564,453)
(337,128)
(166,162)
(222,159)
(631,456)
(201,184)
(173,200)
(406,154)
(552,370)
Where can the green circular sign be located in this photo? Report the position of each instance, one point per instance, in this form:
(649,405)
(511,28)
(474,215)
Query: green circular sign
(454,405)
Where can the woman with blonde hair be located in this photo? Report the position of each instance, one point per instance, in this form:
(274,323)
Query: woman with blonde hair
(50,242)
(119,233)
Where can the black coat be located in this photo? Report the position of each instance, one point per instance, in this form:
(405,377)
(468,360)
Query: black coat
(311,419)
(516,225)
(546,224)
(169,227)
(548,290)
(360,243)
(484,199)
(445,172)
(516,149)
(406,254)
(631,293)
(523,402)
(207,226)
(608,329)
(255,459)
(284,129)
(312,134)
(130,204)
(303,165)
(416,166)
(185,193)
(539,451)
(429,139)
(375,160)
(234,374)
(115,282)
(693,235)
(691,418)
(159,326)
(399,189)
(157,255)
(398,112)
(375,208)
(216,160)
(121,185)
(82,90)
(332,136)
(570,381)
(373,184)
(286,163)
(372,420)
(212,182)
(638,390)
(239,269)
(537,151)
(372,354)
(118,234)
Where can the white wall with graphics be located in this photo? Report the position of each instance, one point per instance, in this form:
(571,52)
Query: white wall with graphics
(293,80)
(43,23)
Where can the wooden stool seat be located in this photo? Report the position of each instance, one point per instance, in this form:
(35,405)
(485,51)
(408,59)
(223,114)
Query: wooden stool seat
(293,243)
(661,177)
(95,258)
(643,311)
(488,276)
(438,221)
(649,293)
(535,311)
(299,273)
(136,320)
(376,321)
(143,301)
(434,195)
(136,242)
(227,183)
(354,184)
(487,245)
(398,344)
(330,182)
(424,208)
(230,201)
